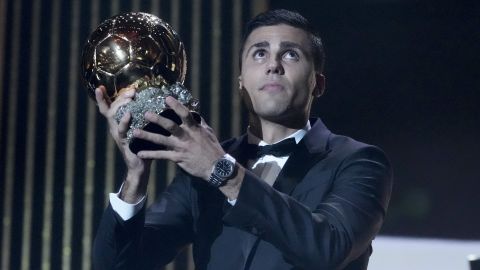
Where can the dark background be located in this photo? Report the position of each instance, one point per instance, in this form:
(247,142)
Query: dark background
(401,74)
(404,75)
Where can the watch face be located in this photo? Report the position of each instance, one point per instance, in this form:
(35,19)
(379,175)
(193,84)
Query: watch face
(224,168)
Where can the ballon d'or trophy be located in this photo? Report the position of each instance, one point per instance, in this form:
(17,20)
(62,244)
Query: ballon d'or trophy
(142,50)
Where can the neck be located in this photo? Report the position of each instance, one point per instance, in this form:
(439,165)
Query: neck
(273,131)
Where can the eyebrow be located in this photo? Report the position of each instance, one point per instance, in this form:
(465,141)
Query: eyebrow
(283,45)
(262,44)
(289,45)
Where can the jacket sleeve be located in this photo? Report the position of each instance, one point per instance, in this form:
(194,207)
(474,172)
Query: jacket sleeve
(337,230)
(149,239)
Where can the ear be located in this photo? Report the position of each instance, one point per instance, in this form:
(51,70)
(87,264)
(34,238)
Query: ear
(319,85)
(240,83)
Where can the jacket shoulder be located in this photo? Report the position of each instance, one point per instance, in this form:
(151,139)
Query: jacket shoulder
(344,146)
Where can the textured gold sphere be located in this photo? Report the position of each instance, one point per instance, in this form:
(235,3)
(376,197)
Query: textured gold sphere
(132,48)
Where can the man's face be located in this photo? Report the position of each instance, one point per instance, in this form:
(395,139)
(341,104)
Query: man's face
(278,73)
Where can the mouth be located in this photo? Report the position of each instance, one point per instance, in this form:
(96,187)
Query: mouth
(272,87)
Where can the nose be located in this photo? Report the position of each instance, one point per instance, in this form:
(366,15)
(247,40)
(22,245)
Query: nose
(275,67)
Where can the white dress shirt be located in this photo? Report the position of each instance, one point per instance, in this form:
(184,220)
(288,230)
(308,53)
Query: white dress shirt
(266,167)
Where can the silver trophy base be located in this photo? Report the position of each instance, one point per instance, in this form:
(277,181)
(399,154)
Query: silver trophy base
(152,99)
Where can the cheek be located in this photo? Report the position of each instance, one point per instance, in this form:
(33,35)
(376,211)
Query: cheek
(249,79)
(307,81)
(303,86)
(303,80)
(247,85)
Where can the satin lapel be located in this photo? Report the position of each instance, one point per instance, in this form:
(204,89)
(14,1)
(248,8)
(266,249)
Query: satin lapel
(296,168)
(236,149)
(310,150)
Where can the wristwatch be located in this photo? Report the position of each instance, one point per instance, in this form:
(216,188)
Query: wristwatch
(223,170)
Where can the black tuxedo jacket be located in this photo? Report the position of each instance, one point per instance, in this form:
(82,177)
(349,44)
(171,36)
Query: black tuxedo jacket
(326,206)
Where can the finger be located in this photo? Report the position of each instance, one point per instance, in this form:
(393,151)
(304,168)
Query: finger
(127,91)
(102,103)
(165,123)
(155,138)
(123,125)
(122,99)
(180,110)
(162,154)
(203,122)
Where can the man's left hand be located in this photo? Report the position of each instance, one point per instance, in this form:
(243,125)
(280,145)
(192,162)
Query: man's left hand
(191,145)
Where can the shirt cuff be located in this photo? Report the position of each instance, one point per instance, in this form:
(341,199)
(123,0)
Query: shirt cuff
(232,202)
(125,210)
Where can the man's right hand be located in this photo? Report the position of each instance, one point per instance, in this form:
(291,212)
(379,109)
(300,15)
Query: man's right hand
(135,185)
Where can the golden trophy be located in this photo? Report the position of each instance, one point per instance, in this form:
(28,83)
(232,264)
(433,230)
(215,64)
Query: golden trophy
(138,49)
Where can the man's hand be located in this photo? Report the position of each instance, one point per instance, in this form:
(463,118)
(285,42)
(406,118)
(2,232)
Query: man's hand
(191,145)
(135,184)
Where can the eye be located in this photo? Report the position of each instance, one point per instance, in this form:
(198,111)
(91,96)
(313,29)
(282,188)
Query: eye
(260,54)
(291,55)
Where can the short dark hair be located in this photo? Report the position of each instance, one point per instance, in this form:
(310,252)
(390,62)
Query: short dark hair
(294,19)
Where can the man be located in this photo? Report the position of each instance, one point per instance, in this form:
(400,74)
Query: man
(315,202)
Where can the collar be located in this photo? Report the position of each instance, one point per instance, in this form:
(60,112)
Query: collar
(297,135)
(315,141)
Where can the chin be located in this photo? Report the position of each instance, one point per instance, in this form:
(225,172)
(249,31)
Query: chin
(270,109)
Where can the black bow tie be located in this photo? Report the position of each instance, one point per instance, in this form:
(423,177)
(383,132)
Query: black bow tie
(281,149)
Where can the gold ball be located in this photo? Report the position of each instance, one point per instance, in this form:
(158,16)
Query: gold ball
(130,47)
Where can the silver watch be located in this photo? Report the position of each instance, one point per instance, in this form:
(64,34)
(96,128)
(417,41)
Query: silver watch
(223,170)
